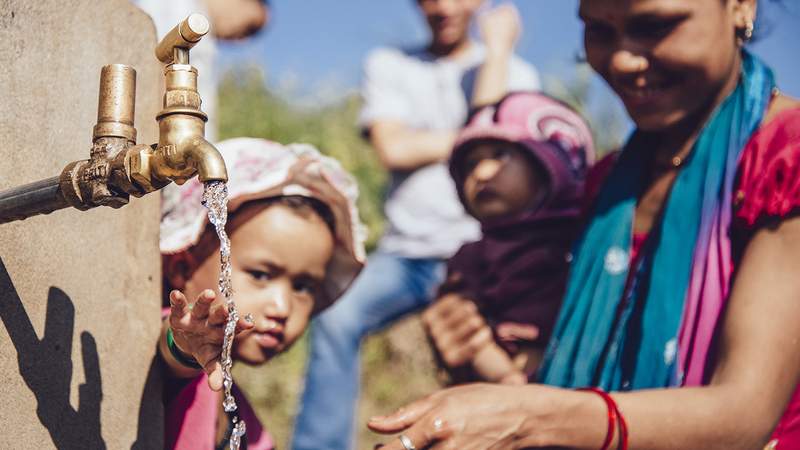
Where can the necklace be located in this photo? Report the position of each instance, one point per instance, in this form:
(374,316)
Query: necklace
(677,161)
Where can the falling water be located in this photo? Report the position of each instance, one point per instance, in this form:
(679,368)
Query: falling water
(215,199)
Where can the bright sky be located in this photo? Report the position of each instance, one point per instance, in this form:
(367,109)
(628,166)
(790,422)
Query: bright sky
(313,49)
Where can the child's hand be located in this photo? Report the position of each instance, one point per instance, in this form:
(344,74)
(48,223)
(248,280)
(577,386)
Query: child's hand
(457,329)
(500,28)
(494,365)
(199,329)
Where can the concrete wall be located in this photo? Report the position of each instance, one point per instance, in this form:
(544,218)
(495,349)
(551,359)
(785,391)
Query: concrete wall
(79,291)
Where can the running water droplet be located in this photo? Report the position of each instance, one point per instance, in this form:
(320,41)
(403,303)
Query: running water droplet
(215,199)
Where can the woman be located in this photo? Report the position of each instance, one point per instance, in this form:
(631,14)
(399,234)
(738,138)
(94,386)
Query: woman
(682,299)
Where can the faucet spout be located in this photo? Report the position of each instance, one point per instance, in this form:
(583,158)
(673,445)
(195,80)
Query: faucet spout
(208,161)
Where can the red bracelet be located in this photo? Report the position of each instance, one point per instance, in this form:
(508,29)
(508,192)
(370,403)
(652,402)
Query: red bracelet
(612,416)
(623,428)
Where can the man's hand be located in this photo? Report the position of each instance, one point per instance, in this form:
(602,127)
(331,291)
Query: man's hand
(500,28)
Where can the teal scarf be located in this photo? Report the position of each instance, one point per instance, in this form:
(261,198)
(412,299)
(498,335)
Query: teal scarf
(600,338)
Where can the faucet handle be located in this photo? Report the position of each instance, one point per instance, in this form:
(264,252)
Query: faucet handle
(183,37)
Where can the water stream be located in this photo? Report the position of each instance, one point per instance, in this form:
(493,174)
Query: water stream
(215,199)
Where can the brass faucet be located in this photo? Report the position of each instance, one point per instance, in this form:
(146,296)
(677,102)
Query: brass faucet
(117,167)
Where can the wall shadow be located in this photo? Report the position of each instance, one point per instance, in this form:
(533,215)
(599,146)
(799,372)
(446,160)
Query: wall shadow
(150,429)
(46,366)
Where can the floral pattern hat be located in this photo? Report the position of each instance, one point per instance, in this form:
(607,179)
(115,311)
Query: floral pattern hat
(259,169)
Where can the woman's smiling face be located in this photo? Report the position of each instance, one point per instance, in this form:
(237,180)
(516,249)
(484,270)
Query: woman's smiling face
(668,60)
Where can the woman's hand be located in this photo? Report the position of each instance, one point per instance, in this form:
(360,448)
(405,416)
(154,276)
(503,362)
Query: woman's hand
(199,329)
(457,329)
(470,417)
(500,28)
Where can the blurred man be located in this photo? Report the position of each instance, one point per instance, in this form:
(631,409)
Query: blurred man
(230,20)
(414,103)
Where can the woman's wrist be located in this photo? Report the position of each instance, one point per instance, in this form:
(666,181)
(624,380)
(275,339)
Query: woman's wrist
(562,418)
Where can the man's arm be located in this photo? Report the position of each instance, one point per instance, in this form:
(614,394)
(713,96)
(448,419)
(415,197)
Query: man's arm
(403,148)
(388,116)
(500,30)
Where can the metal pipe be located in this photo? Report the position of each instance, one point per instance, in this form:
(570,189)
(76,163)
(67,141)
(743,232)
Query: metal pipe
(41,197)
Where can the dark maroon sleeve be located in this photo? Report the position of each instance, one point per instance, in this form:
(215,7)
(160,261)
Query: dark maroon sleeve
(463,271)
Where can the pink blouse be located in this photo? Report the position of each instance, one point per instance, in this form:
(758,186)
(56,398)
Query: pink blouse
(191,418)
(767,190)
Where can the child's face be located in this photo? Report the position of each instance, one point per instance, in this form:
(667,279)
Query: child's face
(499,181)
(279,260)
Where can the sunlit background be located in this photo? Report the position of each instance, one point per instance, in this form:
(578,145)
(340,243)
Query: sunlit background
(298,81)
(313,49)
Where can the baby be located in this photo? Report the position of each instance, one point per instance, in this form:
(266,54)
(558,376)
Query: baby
(296,244)
(519,166)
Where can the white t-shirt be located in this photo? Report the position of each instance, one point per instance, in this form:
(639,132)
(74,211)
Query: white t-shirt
(425,217)
(168,13)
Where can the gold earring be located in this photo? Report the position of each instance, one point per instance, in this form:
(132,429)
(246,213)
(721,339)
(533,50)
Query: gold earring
(748,31)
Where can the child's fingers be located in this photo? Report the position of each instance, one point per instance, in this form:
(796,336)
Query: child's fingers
(243,326)
(177,304)
(214,371)
(203,304)
(218,315)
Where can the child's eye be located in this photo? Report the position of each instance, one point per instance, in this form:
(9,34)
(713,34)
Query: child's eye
(305,287)
(259,275)
(501,153)
(470,164)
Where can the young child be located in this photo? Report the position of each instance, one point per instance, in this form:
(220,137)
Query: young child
(296,244)
(519,166)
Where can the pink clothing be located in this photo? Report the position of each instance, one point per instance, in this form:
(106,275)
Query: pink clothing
(191,415)
(191,419)
(767,189)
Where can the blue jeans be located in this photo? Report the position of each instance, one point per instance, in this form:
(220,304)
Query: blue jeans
(388,287)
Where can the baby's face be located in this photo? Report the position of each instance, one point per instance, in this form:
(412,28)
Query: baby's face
(499,181)
(279,261)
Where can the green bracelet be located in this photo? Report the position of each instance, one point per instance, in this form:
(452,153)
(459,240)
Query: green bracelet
(182,358)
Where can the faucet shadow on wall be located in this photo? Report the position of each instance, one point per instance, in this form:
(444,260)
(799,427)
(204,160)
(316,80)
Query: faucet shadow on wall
(46,366)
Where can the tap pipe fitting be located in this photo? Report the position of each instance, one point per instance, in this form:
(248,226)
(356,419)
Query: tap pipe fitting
(116,105)
(117,167)
(182,151)
(101,180)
